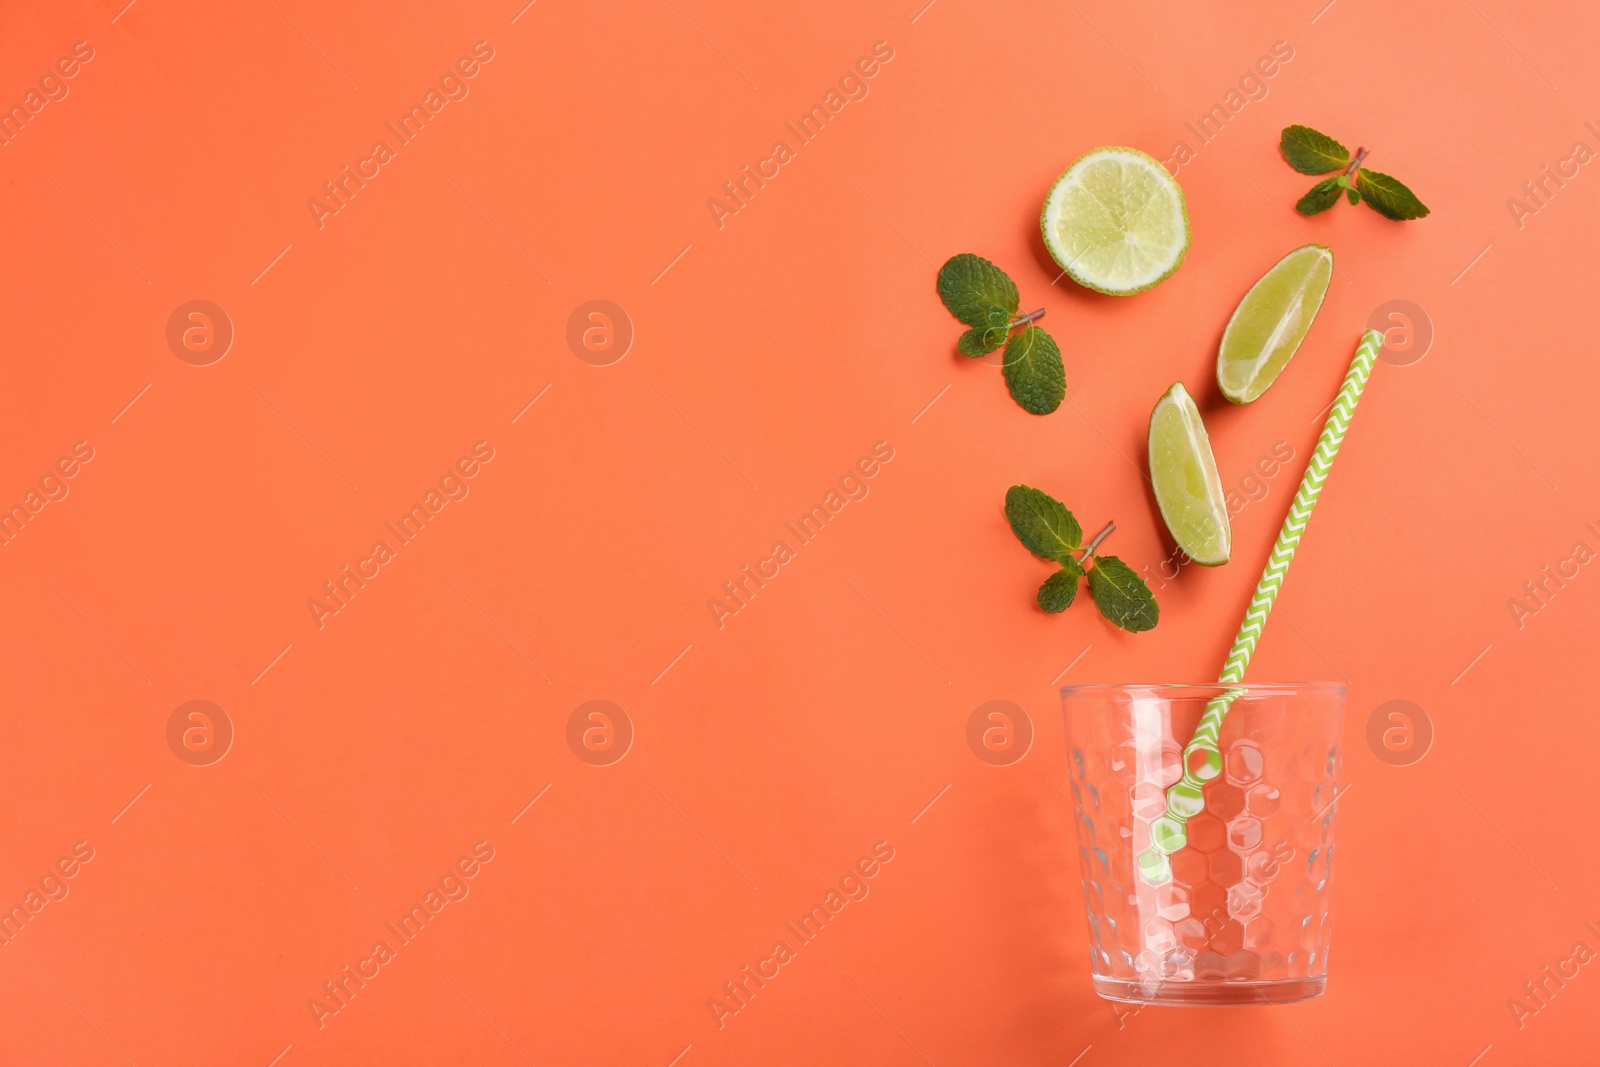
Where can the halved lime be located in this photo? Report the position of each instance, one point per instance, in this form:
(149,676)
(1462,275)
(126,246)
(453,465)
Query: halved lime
(1184,473)
(1271,321)
(1115,221)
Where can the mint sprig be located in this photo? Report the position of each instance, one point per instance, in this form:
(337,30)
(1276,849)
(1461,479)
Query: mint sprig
(1122,596)
(984,297)
(1042,523)
(981,340)
(976,291)
(1061,588)
(1321,197)
(1033,370)
(1312,152)
(1387,196)
(1048,530)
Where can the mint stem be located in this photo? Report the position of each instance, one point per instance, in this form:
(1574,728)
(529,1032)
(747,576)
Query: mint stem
(1101,536)
(1361,153)
(1024,320)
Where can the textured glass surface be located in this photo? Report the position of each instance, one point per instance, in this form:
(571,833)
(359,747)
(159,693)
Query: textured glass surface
(1245,917)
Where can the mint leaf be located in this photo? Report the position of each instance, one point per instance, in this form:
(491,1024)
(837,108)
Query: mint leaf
(1311,152)
(1061,588)
(981,340)
(1043,524)
(1322,196)
(1122,596)
(976,291)
(1388,196)
(1353,196)
(1033,371)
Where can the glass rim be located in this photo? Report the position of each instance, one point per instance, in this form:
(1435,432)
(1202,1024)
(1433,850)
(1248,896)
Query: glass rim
(1250,688)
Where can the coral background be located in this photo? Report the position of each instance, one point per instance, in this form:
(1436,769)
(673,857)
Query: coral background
(770,353)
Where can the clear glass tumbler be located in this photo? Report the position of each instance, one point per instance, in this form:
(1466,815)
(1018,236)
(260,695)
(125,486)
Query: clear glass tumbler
(1244,918)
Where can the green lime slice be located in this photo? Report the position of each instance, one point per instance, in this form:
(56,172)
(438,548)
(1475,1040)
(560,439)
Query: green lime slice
(1271,321)
(1115,221)
(1184,473)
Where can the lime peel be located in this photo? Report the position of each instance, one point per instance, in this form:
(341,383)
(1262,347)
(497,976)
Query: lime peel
(1271,321)
(1183,472)
(1116,221)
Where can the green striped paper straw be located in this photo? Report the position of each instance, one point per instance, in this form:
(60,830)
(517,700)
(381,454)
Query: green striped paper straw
(1201,759)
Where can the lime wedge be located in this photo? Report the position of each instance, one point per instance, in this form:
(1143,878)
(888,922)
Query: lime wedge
(1115,221)
(1184,473)
(1271,321)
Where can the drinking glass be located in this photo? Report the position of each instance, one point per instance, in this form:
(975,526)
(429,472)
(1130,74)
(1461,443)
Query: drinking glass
(1244,917)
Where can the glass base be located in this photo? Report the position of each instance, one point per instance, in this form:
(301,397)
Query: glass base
(1208,994)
